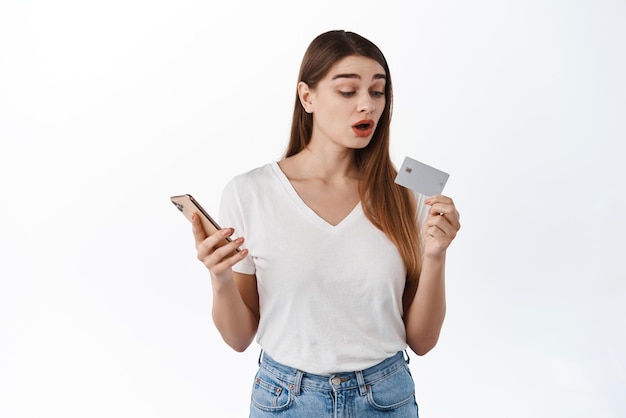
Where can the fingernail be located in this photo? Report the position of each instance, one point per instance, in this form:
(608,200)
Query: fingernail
(239,241)
(227,231)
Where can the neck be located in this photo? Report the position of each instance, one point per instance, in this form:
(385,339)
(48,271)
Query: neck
(326,163)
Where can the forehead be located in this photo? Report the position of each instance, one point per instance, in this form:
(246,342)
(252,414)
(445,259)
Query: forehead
(366,68)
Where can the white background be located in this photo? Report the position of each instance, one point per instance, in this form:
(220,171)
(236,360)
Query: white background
(108,108)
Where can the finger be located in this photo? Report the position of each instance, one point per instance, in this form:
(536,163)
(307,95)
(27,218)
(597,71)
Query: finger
(443,205)
(439,198)
(438,227)
(448,222)
(198,230)
(208,245)
(437,237)
(225,256)
(431,231)
(447,214)
(438,201)
(224,251)
(229,262)
(442,209)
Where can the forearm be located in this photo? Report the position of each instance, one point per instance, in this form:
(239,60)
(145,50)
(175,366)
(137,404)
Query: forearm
(232,317)
(424,317)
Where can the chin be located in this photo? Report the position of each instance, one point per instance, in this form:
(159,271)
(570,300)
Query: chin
(362,144)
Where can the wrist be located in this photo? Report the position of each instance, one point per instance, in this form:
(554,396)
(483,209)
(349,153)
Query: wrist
(434,259)
(222,282)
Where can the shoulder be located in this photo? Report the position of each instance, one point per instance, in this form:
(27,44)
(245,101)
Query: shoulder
(255,175)
(258,174)
(256,179)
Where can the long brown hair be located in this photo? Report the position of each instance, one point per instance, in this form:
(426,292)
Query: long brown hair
(389,207)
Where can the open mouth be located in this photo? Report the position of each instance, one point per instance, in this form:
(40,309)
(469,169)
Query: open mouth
(363,128)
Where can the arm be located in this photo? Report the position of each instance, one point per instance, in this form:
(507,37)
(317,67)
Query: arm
(424,316)
(235,296)
(235,310)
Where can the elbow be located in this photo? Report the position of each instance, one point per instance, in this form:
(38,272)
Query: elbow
(423,346)
(238,343)
(238,338)
(423,350)
(239,348)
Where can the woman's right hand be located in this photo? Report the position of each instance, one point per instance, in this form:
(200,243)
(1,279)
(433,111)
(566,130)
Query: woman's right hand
(218,260)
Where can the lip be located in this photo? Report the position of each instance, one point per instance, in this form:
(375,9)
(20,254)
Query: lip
(363,128)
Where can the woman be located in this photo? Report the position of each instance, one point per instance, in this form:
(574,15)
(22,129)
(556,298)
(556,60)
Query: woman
(328,279)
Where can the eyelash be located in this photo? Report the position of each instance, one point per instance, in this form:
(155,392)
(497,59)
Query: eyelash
(349,94)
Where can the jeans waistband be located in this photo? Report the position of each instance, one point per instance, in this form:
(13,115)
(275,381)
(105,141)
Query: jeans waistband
(296,379)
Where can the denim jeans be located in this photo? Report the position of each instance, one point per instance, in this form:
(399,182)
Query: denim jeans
(384,390)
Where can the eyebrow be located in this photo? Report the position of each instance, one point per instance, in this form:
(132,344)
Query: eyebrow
(354,75)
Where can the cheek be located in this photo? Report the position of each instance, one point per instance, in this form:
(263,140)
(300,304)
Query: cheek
(331,113)
(379,117)
(383,103)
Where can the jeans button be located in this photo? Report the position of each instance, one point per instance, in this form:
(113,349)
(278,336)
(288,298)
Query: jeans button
(335,381)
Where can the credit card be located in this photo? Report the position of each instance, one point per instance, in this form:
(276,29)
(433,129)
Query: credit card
(421,177)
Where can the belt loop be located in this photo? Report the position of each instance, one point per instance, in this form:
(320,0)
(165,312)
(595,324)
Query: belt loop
(361,380)
(298,382)
(260,356)
(407,359)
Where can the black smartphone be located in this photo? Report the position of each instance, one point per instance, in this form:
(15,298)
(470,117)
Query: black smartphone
(187,205)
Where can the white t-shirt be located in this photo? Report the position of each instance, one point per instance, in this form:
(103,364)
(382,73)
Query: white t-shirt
(330,296)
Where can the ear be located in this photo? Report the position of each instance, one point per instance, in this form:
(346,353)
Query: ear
(305,94)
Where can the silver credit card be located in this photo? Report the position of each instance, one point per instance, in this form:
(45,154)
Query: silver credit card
(421,178)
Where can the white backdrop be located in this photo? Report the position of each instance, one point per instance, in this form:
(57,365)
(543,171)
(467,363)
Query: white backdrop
(108,108)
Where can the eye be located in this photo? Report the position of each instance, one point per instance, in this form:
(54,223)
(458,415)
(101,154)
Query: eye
(377,93)
(347,93)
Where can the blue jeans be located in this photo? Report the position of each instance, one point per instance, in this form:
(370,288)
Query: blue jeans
(384,390)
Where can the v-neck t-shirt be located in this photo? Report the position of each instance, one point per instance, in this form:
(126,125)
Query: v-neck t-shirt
(330,296)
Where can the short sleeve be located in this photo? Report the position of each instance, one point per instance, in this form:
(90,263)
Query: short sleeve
(231,214)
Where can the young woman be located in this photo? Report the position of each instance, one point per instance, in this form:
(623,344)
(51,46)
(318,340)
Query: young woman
(341,268)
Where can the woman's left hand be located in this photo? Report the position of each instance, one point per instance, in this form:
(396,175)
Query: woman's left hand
(440,226)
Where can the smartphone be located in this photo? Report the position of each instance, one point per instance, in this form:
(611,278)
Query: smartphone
(187,205)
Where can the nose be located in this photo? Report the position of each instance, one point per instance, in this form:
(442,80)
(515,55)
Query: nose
(366,104)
